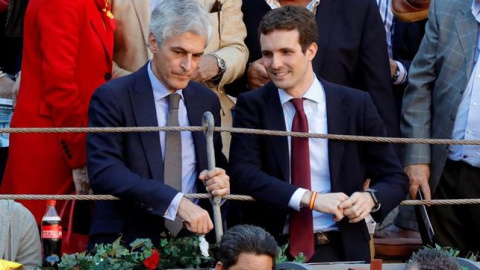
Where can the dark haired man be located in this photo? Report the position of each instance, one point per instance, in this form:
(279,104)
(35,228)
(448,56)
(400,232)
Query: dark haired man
(247,247)
(323,176)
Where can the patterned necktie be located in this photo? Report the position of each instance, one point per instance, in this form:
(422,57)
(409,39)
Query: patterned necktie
(301,223)
(172,170)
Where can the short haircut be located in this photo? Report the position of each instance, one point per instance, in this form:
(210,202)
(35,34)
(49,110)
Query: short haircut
(176,17)
(246,239)
(432,259)
(291,18)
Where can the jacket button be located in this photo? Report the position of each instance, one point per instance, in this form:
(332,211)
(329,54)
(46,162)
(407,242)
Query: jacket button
(108,76)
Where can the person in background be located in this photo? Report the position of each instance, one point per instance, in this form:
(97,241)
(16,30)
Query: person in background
(19,237)
(225,55)
(404,22)
(440,102)
(247,247)
(68,50)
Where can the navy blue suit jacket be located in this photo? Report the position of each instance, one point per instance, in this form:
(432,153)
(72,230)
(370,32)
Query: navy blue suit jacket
(259,165)
(351,50)
(130,165)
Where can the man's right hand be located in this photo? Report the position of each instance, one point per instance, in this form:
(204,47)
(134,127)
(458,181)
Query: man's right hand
(419,174)
(256,75)
(197,220)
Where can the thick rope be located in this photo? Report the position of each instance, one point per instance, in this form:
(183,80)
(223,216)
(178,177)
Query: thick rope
(243,131)
(208,196)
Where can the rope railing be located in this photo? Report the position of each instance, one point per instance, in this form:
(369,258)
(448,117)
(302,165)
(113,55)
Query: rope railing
(208,196)
(230,130)
(208,128)
(242,131)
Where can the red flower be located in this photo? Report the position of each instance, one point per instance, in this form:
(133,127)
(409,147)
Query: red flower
(152,261)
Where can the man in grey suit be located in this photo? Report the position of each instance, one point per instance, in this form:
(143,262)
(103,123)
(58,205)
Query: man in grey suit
(441,102)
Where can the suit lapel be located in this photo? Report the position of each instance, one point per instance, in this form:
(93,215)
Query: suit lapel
(337,118)
(142,9)
(326,15)
(143,105)
(276,121)
(106,37)
(194,105)
(467,30)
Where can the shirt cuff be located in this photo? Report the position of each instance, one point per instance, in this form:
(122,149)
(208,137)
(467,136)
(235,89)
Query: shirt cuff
(402,76)
(172,209)
(296,198)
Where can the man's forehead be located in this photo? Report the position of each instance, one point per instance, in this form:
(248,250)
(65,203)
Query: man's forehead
(188,41)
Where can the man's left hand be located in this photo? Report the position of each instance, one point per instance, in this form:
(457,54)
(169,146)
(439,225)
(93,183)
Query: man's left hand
(216,182)
(358,206)
(206,69)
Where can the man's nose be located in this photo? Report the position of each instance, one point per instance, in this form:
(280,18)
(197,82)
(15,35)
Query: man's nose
(276,62)
(187,63)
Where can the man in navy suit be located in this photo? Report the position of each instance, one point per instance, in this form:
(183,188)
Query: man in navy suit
(352,50)
(260,165)
(130,165)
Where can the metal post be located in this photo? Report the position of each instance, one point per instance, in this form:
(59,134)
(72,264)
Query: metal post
(209,122)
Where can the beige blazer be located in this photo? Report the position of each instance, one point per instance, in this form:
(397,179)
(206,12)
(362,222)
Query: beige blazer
(131,45)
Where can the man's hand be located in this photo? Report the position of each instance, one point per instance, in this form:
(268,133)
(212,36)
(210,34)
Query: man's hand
(6,87)
(326,203)
(358,206)
(256,75)
(419,175)
(80,179)
(206,69)
(216,182)
(393,67)
(196,219)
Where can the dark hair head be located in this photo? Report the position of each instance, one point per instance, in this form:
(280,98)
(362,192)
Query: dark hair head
(246,239)
(291,18)
(432,259)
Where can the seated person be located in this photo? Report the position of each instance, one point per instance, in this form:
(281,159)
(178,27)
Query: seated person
(426,259)
(247,247)
(19,237)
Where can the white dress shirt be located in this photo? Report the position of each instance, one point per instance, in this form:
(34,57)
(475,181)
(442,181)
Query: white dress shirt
(189,173)
(316,111)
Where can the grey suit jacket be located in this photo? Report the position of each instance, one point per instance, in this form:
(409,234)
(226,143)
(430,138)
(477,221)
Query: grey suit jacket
(438,76)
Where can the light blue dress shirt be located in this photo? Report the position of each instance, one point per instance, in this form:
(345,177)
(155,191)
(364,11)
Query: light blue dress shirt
(189,173)
(467,122)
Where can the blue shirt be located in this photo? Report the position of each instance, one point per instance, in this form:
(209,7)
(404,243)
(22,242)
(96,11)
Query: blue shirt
(467,122)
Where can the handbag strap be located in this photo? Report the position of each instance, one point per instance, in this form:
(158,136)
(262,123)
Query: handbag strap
(70,219)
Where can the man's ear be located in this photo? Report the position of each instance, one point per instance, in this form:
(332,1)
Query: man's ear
(219,266)
(152,43)
(311,51)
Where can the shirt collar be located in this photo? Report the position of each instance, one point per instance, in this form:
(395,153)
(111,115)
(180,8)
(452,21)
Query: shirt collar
(159,90)
(312,6)
(314,93)
(476,10)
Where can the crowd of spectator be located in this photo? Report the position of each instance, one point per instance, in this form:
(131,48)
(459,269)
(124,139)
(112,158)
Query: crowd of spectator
(352,67)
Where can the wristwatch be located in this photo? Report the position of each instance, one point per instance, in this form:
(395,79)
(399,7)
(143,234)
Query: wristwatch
(222,67)
(374,198)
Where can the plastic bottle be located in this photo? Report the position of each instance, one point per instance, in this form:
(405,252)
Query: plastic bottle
(51,236)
